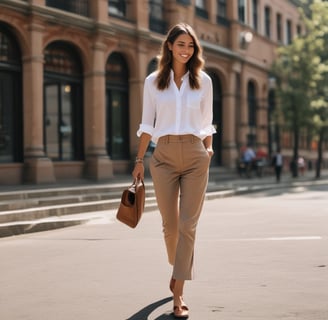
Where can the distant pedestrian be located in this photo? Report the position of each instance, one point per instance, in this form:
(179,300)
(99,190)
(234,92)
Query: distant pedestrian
(277,163)
(248,159)
(301,165)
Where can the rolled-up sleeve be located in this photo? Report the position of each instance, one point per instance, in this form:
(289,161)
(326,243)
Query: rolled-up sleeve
(207,128)
(148,108)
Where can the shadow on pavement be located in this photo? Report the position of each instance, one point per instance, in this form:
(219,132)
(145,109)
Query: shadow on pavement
(146,311)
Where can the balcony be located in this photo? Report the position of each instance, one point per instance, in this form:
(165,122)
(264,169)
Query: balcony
(80,7)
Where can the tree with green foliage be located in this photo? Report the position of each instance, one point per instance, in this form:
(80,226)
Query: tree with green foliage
(318,27)
(301,70)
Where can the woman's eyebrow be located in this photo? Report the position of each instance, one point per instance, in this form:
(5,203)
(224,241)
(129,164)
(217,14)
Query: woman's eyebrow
(183,42)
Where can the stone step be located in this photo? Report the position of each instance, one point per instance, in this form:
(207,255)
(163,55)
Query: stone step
(17,222)
(51,208)
(44,192)
(69,220)
(46,208)
(26,203)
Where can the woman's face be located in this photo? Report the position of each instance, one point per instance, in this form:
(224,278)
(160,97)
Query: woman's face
(182,48)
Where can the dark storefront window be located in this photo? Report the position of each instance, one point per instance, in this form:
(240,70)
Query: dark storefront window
(117,110)
(11,140)
(63,105)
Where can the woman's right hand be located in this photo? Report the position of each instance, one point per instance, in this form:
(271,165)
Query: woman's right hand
(138,171)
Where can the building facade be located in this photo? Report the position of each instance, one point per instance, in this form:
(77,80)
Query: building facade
(72,73)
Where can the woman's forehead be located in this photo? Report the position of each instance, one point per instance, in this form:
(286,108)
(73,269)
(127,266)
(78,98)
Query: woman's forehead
(185,38)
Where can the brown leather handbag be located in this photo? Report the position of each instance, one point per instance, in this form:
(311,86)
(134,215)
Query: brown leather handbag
(132,204)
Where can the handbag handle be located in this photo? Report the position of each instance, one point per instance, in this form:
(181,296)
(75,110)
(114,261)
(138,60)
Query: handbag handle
(135,184)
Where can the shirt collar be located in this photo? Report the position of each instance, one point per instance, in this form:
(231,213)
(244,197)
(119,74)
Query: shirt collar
(184,77)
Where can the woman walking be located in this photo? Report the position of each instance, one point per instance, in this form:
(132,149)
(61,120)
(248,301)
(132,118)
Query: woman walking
(177,117)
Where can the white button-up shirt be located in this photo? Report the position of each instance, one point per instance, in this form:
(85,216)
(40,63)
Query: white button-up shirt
(176,112)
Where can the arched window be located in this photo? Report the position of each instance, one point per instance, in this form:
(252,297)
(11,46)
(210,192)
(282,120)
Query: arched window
(11,122)
(152,66)
(117,107)
(217,118)
(63,105)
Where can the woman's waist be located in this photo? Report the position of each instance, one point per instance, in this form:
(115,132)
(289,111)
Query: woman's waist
(178,138)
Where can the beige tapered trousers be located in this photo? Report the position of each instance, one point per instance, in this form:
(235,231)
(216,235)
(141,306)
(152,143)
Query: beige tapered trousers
(179,169)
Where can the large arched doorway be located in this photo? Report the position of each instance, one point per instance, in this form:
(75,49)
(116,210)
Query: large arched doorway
(63,103)
(11,125)
(117,107)
(217,119)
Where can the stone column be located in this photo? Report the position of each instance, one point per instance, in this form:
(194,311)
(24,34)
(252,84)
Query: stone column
(37,167)
(99,10)
(142,14)
(229,139)
(243,108)
(98,164)
(232,13)
(212,11)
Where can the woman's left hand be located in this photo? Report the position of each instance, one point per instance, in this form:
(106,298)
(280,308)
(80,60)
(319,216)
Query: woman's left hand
(139,171)
(210,152)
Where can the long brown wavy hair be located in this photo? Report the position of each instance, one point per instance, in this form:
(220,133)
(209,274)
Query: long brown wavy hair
(194,65)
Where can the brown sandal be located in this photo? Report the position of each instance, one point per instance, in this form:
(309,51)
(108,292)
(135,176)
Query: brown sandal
(181,312)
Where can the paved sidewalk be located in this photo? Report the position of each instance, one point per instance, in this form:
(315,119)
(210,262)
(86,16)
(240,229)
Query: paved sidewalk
(258,257)
(50,207)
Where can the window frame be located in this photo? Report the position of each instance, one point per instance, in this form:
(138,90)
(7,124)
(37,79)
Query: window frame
(242,10)
(267,21)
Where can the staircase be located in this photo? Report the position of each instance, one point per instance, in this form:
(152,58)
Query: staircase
(27,209)
(34,210)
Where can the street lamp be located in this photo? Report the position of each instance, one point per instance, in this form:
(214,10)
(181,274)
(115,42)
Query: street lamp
(245,40)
